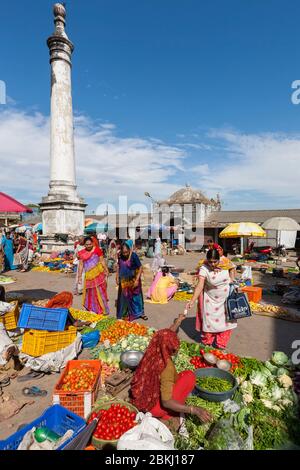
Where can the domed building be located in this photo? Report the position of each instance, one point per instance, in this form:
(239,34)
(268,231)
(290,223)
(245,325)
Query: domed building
(188,205)
(186,210)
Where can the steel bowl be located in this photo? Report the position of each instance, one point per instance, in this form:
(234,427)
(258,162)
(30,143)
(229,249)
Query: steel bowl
(131,359)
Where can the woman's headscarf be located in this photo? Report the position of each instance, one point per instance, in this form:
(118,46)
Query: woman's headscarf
(62,300)
(145,385)
(129,243)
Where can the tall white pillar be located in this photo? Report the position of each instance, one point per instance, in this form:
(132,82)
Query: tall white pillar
(63,211)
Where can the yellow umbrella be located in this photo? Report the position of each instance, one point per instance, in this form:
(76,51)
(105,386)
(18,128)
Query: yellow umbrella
(242,229)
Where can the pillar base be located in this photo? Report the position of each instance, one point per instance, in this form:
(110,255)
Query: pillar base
(51,244)
(62,218)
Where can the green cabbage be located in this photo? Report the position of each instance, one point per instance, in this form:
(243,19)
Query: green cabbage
(271,367)
(279,358)
(258,378)
(282,371)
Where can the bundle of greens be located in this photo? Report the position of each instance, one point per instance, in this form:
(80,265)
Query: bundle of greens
(196,429)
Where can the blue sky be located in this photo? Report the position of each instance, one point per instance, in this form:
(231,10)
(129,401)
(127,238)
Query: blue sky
(165,92)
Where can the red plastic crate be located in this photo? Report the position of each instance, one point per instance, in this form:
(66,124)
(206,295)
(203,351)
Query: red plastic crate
(80,402)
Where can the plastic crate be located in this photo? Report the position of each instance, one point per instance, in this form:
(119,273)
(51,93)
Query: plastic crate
(37,343)
(254,293)
(10,319)
(56,418)
(41,318)
(78,401)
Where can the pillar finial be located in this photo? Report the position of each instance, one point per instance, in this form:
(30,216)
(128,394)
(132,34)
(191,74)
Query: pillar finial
(60,14)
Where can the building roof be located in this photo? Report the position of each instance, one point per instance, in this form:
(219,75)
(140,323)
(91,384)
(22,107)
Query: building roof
(10,205)
(188,195)
(122,220)
(223,218)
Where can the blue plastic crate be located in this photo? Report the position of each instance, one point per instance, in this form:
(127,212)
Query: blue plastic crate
(41,318)
(56,418)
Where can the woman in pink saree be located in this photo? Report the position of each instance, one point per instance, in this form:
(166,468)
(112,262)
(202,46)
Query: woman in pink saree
(95,274)
(163,287)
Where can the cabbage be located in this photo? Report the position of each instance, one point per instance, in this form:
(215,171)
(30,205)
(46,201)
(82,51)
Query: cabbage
(279,358)
(246,387)
(257,378)
(266,372)
(282,371)
(271,367)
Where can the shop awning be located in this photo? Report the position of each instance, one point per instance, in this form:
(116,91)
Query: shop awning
(10,205)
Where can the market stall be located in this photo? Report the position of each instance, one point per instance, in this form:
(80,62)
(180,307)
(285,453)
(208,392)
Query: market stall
(254,405)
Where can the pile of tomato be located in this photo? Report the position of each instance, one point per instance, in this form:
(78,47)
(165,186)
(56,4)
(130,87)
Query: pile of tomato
(79,379)
(113,423)
(199,363)
(121,329)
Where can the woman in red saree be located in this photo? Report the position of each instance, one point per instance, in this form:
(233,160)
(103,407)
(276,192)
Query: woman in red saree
(95,285)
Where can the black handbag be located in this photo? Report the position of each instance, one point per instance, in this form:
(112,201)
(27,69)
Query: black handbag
(237,305)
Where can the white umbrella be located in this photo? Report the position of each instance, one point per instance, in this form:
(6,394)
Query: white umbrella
(281,224)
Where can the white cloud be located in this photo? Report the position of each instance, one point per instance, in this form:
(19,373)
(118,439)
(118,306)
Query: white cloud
(249,170)
(107,165)
(266,165)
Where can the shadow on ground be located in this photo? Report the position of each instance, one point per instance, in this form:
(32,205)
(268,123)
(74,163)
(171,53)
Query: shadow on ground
(188,326)
(35,294)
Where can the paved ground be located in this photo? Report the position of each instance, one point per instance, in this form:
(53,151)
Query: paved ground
(257,336)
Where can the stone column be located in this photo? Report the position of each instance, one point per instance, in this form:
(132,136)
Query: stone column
(62,210)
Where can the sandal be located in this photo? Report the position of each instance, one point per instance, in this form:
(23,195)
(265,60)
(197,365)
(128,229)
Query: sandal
(32,375)
(144,317)
(11,352)
(34,392)
(4,382)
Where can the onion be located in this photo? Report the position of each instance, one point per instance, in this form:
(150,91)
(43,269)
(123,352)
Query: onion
(224,365)
(210,358)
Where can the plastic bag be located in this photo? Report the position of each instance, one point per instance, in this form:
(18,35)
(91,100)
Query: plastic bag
(149,434)
(246,272)
(90,340)
(225,436)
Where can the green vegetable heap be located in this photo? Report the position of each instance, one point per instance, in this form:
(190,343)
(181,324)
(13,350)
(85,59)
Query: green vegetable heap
(214,384)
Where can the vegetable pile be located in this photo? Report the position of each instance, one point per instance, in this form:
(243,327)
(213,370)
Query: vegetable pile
(79,379)
(262,415)
(257,307)
(199,362)
(120,329)
(113,423)
(111,354)
(85,315)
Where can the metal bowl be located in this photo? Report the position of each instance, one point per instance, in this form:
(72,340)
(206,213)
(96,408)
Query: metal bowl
(131,359)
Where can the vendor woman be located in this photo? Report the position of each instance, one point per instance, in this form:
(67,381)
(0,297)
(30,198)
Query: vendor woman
(157,388)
